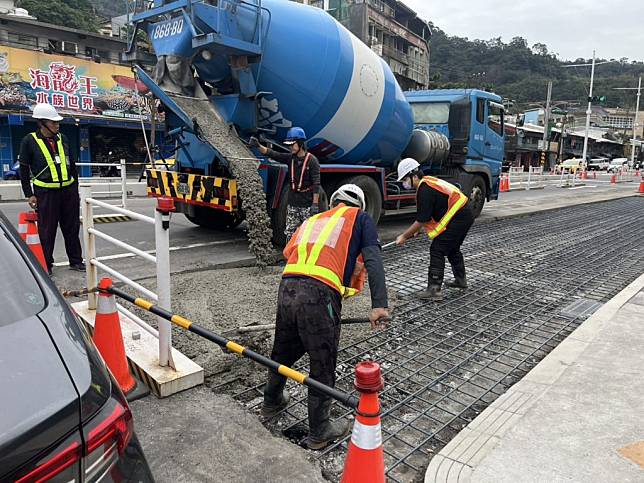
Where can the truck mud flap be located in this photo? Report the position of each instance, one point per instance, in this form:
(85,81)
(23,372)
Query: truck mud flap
(195,189)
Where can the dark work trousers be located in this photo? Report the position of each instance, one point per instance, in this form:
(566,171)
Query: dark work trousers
(308,321)
(59,207)
(448,244)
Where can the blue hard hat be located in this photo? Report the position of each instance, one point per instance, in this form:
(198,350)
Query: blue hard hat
(295,134)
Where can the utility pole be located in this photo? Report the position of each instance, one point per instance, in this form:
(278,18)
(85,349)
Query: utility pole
(589,110)
(546,122)
(637,111)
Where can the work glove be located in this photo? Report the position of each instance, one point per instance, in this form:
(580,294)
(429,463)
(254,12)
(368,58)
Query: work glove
(315,209)
(254,142)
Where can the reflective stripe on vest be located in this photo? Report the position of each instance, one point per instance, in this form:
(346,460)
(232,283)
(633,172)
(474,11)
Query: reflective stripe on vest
(55,181)
(33,239)
(456,201)
(307,265)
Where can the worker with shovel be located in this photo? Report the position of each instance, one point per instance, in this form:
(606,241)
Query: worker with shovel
(444,212)
(328,258)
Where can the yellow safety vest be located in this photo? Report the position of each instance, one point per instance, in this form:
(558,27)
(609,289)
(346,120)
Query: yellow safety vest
(56,182)
(456,201)
(319,250)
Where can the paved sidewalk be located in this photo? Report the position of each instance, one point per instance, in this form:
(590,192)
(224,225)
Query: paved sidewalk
(577,416)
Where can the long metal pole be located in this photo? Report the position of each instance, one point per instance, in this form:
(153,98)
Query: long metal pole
(123,184)
(637,112)
(162,246)
(91,274)
(589,110)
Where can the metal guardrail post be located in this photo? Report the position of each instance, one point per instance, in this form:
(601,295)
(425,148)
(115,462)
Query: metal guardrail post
(91,275)
(529,176)
(123,184)
(162,246)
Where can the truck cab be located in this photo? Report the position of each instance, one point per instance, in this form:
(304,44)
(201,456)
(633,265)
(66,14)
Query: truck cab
(472,122)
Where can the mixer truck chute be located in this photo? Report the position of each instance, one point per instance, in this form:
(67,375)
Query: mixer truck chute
(231,69)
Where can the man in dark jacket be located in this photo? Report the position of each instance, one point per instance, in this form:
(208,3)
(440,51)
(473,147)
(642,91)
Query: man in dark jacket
(46,161)
(304,178)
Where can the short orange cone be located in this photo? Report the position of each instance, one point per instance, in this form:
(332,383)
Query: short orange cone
(584,175)
(641,190)
(504,184)
(28,230)
(108,337)
(613,179)
(365,461)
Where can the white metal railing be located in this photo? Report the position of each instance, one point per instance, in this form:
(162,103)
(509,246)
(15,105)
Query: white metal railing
(161,259)
(532,179)
(121,165)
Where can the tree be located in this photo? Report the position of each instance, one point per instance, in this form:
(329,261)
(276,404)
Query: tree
(76,14)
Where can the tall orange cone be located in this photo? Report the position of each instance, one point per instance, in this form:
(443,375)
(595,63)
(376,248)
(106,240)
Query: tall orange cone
(613,179)
(365,461)
(28,230)
(108,337)
(641,190)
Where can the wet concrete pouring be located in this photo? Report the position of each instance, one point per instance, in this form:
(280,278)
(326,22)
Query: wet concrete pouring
(533,280)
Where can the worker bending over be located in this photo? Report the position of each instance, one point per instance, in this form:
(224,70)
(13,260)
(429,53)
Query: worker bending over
(326,261)
(445,214)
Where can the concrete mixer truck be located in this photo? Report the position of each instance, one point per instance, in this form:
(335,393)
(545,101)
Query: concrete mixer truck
(230,69)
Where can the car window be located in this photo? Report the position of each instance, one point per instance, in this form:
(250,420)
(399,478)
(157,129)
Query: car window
(20,295)
(430,112)
(495,117)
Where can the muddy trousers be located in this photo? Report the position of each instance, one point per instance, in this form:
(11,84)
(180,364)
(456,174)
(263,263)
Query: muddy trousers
(307,322)
(448,244)
(59,207)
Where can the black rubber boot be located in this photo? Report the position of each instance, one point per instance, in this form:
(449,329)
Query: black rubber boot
(457,262)
(433,294)
(276,398)
(459,282)
(322,432)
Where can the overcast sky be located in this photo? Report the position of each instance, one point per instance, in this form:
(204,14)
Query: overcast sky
(570,28)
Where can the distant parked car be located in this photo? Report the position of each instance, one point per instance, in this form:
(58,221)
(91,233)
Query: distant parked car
(64,417)
(14,172)
(617,164)
(598,164)
(571,165)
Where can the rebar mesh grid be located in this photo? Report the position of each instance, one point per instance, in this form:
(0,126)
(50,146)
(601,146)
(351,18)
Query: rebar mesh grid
(445,363)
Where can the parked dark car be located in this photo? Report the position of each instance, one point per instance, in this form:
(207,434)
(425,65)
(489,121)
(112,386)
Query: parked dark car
(13,173)
(63,416)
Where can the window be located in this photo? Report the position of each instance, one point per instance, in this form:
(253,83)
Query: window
(26,40)
(70,47)
(480,110)
(430,112)
(495,117)
(91,52)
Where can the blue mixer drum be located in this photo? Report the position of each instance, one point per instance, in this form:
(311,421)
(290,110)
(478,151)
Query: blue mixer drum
(319,76)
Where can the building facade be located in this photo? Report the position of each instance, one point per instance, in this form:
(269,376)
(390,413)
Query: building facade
(78,73)
(392,30)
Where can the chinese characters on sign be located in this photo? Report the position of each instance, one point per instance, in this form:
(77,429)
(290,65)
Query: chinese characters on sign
(62,88)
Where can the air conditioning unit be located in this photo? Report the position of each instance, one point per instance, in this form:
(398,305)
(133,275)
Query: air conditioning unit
(70,47)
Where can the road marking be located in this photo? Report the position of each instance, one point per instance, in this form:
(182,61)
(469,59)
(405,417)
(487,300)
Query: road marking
(172,249)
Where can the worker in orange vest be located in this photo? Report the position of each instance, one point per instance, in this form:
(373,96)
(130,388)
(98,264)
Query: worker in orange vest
(327,260)
(444,212)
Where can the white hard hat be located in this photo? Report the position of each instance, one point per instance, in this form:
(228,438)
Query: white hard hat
(350,193)
(406,166)
(46,111)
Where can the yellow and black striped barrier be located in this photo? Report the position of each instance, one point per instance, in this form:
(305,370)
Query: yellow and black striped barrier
(342,397)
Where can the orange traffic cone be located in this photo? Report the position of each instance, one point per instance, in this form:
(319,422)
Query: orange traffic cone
(504,184)
(584,175)
(28,230)
(365,461)
(641,190)
(108,337)
(613,179)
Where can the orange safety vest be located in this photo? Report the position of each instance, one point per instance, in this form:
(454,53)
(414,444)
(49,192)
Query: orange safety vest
(319,249)
(456,200)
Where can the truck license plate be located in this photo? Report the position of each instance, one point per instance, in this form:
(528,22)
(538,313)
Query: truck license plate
(183,188)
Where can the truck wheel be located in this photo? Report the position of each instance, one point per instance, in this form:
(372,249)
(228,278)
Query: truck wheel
(372,194)
(278,218)
(215,219)
(477,195)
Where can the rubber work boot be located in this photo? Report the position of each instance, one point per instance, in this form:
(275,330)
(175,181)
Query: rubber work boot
(433,294)
(276,398)
(459,282)
(322,432)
